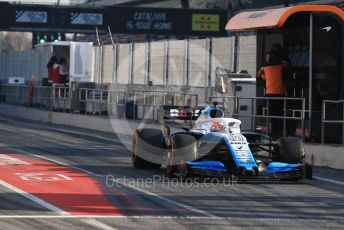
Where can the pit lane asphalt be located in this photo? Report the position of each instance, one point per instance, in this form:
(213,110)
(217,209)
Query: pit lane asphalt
(162,204)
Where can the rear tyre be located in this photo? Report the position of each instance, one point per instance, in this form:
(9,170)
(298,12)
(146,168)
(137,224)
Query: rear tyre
(183,149)
(148,143)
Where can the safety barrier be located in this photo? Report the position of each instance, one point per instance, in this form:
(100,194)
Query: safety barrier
(101,102)
(25,95)
(121,104)
(252,110)
(325,120)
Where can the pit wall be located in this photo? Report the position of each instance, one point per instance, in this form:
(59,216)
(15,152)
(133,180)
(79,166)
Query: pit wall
(319,155)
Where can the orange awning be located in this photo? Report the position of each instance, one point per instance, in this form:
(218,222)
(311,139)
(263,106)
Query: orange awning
(274,18)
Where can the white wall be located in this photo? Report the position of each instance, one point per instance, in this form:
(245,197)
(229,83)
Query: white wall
(124,63)
(176,63)
(109,60)
(198,63)
(157,63)
(247,54)
(140,63)
(222,55)
(96,64)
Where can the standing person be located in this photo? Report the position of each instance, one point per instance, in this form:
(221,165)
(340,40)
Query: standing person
(272,73)
(50,67)
(277,49)
(63,71)
(55,73)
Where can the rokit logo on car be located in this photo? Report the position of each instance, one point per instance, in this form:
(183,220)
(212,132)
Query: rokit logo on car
(236,137)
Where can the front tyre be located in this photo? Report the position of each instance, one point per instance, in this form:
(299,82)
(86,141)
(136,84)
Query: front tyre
(291,150)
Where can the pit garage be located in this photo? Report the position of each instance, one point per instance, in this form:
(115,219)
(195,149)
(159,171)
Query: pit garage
(312,38)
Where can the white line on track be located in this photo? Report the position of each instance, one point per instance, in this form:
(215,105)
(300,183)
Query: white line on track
(57,162)
(98,175)
(329,180)
(95,223)
(184,206)
(85,217)
(34,199)
(196,210)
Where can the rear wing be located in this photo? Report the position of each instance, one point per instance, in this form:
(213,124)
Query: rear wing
(172,112)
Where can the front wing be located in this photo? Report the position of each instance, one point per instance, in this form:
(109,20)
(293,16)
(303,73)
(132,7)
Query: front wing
(275,170)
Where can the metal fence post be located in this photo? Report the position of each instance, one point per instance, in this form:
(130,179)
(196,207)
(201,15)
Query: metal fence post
(186,62)
(166,60)
(284,116)
(148,62)
(268,115)
(253,119)
(116,62)
(113,76)
(343,123)
(131,62)
(323,118)
(100,64)
(207,83)
(79,101)
(303,119)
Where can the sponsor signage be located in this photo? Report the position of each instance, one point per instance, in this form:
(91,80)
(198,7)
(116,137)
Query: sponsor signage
(31,16)
(146,20)
(77,18)
(125,20)
(166,21)
(205,22)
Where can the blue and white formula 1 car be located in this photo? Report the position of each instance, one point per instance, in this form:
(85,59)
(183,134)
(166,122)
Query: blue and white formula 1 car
(215,146)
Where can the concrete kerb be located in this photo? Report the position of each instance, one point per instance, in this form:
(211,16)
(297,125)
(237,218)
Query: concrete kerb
(319,155)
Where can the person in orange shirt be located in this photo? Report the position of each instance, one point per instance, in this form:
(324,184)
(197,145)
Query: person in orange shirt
(272,74)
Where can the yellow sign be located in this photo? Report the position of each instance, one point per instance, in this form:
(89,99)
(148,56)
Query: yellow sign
(205,22)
